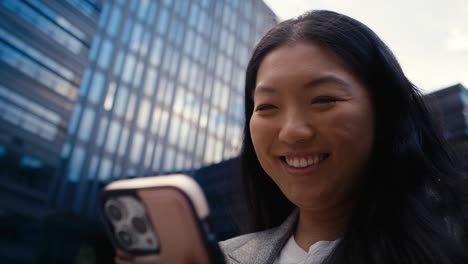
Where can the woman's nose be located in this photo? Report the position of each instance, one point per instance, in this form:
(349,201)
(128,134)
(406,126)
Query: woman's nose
(295,129)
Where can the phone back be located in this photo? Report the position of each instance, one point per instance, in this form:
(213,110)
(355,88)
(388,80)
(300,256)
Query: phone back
(160,221)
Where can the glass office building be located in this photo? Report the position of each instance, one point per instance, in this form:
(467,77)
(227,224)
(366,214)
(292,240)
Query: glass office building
(43,52)
(162,91)
(44,47)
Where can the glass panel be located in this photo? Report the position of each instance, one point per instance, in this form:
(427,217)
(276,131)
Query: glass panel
(96,87)
(156,53)
(109,101)
(150,83)
(163,21)
(130,108)
(136,36)
(104,171)
(113,136)
(123,141)
(119,63)
(86,125)
(105,54)
(102,131)
(75,165)
(121,101)
(114,22)
(129,67)
(137,146)
(143,114)
(74,118)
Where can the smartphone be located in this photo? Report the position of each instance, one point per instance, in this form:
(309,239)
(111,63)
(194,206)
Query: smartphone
(161,219)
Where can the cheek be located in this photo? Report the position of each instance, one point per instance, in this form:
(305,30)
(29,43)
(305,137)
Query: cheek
(262,139)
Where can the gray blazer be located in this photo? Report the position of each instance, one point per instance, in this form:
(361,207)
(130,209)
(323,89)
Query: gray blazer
(260,247)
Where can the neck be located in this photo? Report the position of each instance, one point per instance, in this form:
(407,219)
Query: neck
(316,225)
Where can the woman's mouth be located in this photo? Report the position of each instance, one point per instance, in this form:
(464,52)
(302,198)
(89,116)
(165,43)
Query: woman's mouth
(300,162)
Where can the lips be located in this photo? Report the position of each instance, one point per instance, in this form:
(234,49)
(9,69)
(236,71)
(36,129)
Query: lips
(304,161)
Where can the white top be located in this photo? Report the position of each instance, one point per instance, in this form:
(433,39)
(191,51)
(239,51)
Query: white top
(293,254)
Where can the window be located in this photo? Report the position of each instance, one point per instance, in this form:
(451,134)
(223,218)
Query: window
(94,48)
(143,114)
(137,146)
(121,101)
(84,84)
(138,73)
(136,37)
(150,83)
(174,129)
(76,162)
(105,54)
(163,22)
(119,63)
(156,53)
(113,136)
(143,9)
(109,101)
(114,22)
(102,131)
(74,118)
(129,67)
(44,25)
(130,107)
(123,141)
(105,170)
(127,29)
(96,87)
(86,125)
(37,72)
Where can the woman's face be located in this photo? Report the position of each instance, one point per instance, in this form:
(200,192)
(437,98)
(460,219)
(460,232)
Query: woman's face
(312,126)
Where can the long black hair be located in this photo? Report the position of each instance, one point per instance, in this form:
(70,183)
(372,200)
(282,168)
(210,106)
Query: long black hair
(411,205)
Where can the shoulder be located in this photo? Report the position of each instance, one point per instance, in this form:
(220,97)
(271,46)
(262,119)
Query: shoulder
(235,243)
(259,247)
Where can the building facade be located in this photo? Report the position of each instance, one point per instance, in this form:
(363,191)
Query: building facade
(44,47)
(162,91)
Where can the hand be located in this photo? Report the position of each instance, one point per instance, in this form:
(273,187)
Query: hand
(122,258)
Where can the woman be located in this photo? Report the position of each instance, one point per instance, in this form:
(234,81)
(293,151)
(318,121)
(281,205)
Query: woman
(341,161)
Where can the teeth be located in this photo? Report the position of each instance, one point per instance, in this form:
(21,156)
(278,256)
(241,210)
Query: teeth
(303,161)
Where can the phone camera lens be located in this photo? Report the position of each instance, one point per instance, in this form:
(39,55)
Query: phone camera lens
(139,224)
(114,212)
(125,239)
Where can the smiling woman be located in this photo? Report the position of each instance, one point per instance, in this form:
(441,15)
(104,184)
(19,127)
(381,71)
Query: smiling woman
(341,160)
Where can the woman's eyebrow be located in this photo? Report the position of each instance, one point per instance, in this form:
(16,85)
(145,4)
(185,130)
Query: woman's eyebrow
(329,79)
(263,89)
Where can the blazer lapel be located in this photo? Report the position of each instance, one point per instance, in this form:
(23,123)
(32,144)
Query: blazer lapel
(265,246)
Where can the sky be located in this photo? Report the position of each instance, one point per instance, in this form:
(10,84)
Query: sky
(428,37)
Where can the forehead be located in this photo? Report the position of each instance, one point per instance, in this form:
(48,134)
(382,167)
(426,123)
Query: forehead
(298,63)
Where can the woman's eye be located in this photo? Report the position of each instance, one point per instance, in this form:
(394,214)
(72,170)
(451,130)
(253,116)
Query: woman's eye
(264,107)
(324,100)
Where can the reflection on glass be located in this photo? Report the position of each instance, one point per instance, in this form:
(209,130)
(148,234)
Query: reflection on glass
(113,136)
(114,22)
(143,114)
(150,82)
(137,145)
(105,170)
(76,162)
(123,141)
(121,101)
(87,122)
(36,71)
(96,88)
(102,131)
(105,54)
(44,25)
(128,68)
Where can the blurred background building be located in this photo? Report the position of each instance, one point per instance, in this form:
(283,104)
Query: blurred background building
(96,90)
